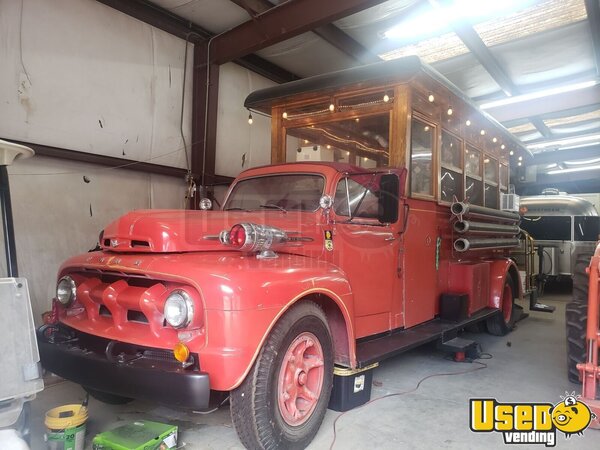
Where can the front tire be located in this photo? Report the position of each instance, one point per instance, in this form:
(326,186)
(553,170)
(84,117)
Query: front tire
(283,399)
(501,324)
(576,317)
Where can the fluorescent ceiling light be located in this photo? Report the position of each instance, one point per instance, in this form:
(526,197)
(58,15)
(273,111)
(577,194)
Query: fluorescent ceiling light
(574,169)
(440,17)
(583,162)
(563,142)
(539,94)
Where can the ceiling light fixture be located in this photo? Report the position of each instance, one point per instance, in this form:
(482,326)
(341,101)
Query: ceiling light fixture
(440,18)
(573,169)
(563,142)
(539,94)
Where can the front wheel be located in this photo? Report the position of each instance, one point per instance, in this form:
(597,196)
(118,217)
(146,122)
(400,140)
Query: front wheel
(283,399)
(502,324)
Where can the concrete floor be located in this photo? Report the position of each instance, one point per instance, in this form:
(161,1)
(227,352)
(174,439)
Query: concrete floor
(528,365)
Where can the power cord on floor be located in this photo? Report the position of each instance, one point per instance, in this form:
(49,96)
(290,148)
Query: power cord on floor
(210,411)
(480,366)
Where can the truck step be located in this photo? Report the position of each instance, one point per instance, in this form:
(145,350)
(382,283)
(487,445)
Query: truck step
(392,344)
(457,344)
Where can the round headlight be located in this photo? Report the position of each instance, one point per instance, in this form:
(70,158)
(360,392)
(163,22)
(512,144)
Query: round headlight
(179,309)
(66,290)
(205,204)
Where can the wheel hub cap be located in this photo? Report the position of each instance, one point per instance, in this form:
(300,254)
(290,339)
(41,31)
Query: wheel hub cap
(300,379)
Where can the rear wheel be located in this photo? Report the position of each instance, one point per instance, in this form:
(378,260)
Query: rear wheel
(576,317)
(501,324)
(105,397)
(283,399)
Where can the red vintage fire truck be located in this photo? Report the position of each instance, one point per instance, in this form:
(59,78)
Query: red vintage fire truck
(376,229)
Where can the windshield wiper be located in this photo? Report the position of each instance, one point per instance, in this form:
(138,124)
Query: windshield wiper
(235,208)
(272,206)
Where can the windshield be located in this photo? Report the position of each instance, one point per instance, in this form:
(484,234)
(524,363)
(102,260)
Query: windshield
(294,192)
(548,228)
(587,228)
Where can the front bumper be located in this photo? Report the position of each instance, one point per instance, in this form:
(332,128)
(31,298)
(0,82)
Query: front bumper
(122,369)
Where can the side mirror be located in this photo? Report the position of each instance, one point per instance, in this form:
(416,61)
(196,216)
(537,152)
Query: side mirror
(389,198)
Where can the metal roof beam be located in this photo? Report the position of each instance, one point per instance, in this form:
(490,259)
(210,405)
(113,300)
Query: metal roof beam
(557,156)
(165,20)
(547,105)
(329,32)
(287,20)
(592,8)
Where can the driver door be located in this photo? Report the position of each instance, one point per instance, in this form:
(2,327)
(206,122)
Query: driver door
(367,252)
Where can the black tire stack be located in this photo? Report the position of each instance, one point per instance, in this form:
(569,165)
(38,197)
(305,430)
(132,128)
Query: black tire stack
(576,317)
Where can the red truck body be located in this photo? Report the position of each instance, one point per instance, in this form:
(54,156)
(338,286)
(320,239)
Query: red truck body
(330,264)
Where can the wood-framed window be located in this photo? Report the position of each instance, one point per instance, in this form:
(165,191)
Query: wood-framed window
(451,168)
(473,176)
(490,177)
(422,145)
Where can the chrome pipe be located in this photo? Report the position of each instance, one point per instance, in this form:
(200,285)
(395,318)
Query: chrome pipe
(468,210)
(464,244)
(486,228)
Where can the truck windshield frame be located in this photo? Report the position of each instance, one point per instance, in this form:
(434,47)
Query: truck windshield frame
(290,192)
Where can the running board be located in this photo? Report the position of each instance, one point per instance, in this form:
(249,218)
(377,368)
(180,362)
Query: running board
(380,348)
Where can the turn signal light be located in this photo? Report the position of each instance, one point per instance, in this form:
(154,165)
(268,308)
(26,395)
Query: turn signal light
(181,352)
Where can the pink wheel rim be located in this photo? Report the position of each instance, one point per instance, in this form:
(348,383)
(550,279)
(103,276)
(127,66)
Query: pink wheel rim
(507,302)
(300,379)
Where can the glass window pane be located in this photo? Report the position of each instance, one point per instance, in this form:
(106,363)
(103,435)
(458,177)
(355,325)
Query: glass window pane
(350,140)
(490,169)
(548,228)
(472,161)
(587,228)
(491,196)
(362,192)
(473,191)
(421,149)
(450,150)
(290,192)
(450,185)
(504,176)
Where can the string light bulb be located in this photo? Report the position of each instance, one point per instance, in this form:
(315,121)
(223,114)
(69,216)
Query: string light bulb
(331,107)
(519,163)
(284,115)
(431,98)
(511,153)
(520,158)
(250,118)
(495,140)
(386,98)
(468,122)
(482,132)
(503,147)
(450,111)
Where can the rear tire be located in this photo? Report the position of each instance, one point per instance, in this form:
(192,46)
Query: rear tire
(502,323)
(576,317)
(283,399)
(109,399)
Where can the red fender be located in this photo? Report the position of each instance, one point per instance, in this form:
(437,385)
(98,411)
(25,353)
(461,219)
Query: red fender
(499,270)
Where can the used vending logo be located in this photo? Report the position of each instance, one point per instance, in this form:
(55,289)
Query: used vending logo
(530,423)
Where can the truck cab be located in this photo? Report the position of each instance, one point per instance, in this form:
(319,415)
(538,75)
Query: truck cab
(343,252)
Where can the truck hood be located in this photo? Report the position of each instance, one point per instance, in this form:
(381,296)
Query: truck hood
(169,231)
